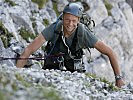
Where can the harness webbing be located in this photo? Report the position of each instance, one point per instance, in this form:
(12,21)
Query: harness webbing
(74,41)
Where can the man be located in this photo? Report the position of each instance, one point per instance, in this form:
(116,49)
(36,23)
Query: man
(69,37)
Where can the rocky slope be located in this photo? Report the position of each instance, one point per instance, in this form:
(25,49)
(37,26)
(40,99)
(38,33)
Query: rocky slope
(38,84)
(22,20)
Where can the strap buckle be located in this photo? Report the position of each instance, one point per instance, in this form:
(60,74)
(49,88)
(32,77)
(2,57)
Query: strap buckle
(78,65)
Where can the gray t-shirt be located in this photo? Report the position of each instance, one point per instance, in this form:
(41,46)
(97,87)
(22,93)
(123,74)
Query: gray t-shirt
(85,37)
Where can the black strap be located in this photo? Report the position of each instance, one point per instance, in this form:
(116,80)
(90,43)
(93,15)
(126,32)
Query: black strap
(74,42)
(51,46)
(77,53)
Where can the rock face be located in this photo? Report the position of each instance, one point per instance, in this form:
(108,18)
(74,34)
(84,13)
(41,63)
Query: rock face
(114,26)
(130,2)
(38,84)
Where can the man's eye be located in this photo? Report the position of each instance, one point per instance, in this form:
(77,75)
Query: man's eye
(74,21)
(67,20)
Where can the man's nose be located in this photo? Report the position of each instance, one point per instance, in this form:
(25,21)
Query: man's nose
(70,22)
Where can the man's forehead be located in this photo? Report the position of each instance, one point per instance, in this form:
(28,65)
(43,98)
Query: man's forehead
(70,15)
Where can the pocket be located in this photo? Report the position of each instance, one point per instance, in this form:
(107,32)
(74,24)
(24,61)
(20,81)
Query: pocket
(74,65)
(69,64)
(51,61)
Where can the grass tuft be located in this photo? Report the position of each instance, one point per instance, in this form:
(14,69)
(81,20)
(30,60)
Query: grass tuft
(26,34)
(11,2)
(5,35)
(41,3)
(108,6)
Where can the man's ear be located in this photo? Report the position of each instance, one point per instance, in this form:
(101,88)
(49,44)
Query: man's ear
(63,17)
(78,20)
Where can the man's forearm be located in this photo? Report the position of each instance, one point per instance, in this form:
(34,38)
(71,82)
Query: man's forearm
(103,48)
(114,63)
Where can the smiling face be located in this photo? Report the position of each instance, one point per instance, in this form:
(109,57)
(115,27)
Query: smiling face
(70,22)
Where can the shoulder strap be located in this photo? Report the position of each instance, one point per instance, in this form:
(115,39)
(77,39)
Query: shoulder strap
(77,53)
(57,32)
(79,38)
(74,42)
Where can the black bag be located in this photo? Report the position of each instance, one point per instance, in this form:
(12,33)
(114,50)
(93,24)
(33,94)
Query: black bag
(74,65)
(51,63)
(69,65)
(54,61)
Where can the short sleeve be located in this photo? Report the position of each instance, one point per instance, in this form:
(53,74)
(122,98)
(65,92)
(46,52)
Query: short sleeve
(48,32)
(89,38)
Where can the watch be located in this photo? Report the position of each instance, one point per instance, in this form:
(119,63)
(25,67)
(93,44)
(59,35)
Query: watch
(118,77)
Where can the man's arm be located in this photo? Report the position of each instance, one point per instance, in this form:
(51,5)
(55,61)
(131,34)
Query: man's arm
(104,49)
(36,44)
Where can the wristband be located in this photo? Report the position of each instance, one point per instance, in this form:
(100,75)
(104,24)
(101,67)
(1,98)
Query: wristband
(118,77)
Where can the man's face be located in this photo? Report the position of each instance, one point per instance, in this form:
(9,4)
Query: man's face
(70,22)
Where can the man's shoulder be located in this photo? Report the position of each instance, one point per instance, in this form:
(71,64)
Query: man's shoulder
(81,26)
(57,25)
(81,29)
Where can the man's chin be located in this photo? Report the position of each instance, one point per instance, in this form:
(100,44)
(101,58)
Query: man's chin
(70,30)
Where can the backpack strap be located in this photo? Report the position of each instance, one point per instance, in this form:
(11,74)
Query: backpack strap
(80,37)
(57,32)
(74,42)
(77,53)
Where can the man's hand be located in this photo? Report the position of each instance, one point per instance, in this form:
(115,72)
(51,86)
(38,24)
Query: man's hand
(119,83)
(32,47)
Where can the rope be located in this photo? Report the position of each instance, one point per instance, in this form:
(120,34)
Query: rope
(32,58)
